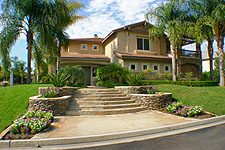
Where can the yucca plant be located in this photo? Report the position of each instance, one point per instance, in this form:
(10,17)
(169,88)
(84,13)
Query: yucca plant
(59,79)
(135,79)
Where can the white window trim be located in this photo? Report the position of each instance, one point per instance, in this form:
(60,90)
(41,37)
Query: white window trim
(82,47)
(142,65)
(95,49)
(143,44)
(154,69)
(133,64)
(165,68)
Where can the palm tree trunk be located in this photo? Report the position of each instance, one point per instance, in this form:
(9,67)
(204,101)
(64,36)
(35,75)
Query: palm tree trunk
(173,61)
(29,48)
(220,44)
(58,57)
(210,54)
(199,52)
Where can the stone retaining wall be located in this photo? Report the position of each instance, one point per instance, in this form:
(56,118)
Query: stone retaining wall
(133,89)
(152,101)
(63,91)
(58,105)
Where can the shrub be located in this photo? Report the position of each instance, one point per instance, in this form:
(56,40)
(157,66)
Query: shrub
(135,79)
(5,83)
(59,79)
(172,107)
(44,80)
(77,74)
(185,83)
(113,73)
(188,76)
(50,93)
(33,122)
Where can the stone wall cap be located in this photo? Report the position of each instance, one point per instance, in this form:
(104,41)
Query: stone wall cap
(54,98)
(131,86)
(150,94)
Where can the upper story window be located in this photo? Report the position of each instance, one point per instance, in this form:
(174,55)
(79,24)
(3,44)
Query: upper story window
(94,47)
(143,44)
(84,46)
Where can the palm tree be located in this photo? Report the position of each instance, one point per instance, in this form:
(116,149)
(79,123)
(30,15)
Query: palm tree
(200,29)
(168,17)
(217,22)
(65,15)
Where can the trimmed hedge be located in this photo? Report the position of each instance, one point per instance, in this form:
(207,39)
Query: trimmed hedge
(185,83)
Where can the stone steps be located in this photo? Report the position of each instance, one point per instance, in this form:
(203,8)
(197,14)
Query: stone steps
(115,106)
(101,102)
(105,112)
(80,99)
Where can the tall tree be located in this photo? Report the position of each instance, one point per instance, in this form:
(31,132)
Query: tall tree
(217,21)
(169,19)
(200,29)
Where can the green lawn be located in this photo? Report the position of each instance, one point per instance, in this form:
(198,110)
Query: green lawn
(14,102)
(212,98)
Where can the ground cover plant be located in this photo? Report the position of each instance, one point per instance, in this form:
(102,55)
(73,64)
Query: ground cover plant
(184,111)
(14,101)
(50,93)
(32,122)
(212,98)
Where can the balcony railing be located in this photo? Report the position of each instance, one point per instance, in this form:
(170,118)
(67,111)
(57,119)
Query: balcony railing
(189,53)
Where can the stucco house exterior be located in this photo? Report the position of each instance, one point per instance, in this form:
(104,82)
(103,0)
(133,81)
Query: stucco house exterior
(129,46)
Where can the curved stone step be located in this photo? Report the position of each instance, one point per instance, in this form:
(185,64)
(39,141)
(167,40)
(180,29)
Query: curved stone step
(101,107)
(101,99)
(102,102)
(81,91)
(105,112)
(99,95)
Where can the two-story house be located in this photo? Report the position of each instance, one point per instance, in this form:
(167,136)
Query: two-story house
(129,46)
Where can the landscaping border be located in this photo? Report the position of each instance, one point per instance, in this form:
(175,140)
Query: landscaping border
(105,137)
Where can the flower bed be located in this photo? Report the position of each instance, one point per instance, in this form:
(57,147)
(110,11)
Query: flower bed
(185,111)
(30,123)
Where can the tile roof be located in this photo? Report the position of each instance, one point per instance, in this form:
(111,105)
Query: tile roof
(77,56)
(141,56)
(88,40)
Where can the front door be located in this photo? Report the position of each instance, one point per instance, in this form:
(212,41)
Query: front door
(87,75)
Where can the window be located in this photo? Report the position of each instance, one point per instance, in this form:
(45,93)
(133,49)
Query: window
(145,67)
(94,71)
(95,47)
(155,68)
(83,46)
(167,68)
(143,44)
(133,67)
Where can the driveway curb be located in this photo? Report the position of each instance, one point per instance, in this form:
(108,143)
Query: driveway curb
(105,137)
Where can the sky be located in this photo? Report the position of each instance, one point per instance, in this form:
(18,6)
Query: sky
(101,17)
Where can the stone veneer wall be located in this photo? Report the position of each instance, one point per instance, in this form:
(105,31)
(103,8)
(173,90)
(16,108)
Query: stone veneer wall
(152,101)
(63,91)
(58,105)
(133,89)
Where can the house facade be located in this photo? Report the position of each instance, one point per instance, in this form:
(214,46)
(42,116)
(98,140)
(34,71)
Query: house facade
(129,46)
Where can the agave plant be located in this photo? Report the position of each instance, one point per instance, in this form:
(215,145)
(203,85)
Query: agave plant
(59,79)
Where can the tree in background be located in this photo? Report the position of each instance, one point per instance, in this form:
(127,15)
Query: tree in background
(43,20)
(169,18)
(18,69)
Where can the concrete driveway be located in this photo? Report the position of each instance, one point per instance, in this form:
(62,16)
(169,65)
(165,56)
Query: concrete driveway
(70,126)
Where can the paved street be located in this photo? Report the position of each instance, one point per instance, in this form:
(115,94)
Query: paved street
(212,138)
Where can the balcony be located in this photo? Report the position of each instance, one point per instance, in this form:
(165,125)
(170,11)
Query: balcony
(189,53)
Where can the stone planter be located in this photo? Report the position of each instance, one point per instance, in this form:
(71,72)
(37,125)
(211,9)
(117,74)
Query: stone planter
(132,89)
(152,101)
(63,91)
(58,105)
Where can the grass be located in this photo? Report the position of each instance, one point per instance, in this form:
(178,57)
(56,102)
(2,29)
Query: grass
(212,98)
(14,102)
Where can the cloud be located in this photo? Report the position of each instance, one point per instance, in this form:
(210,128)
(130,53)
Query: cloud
(107,15)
